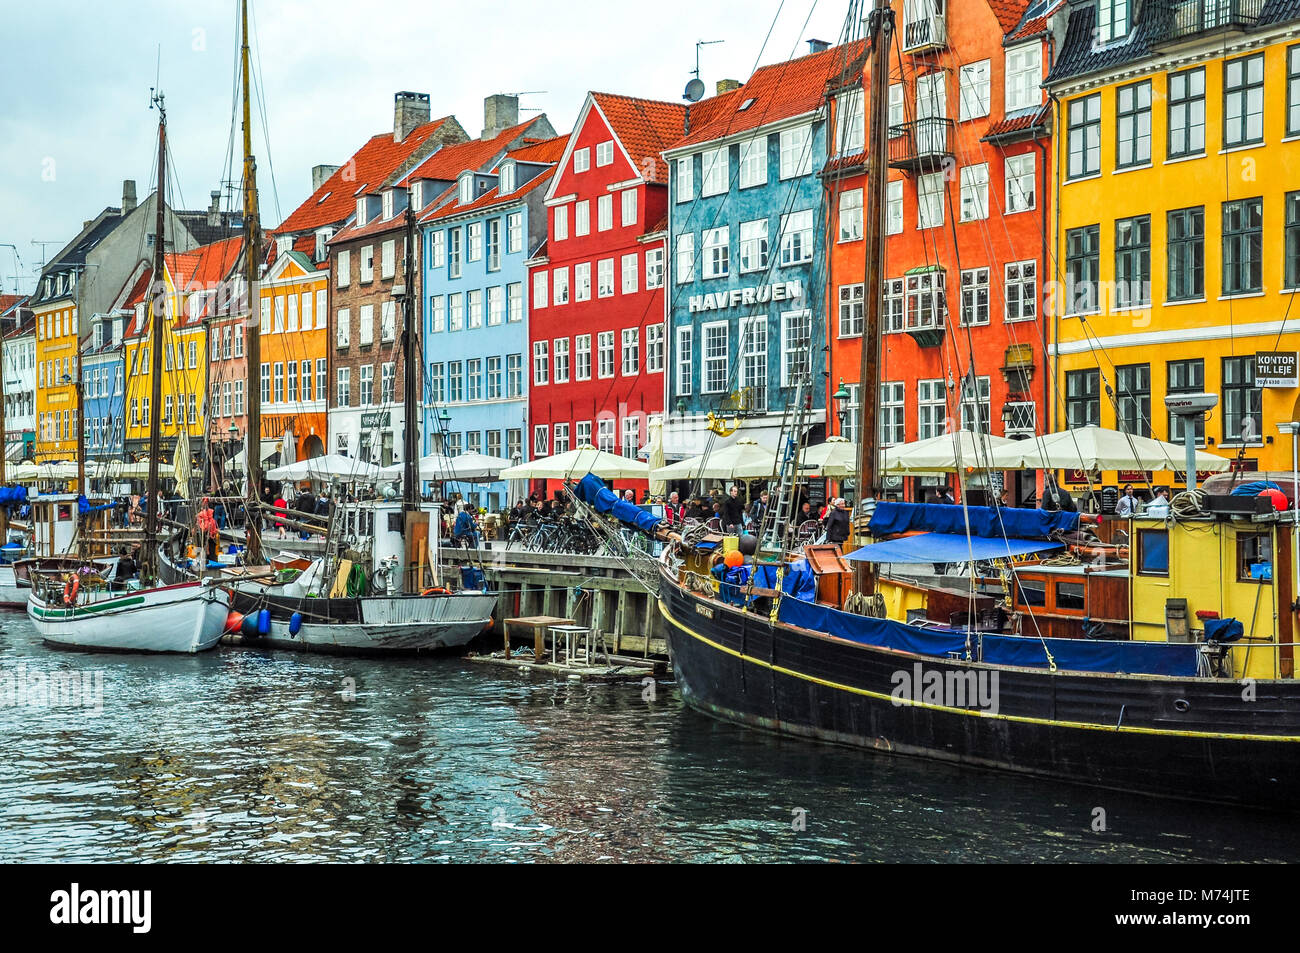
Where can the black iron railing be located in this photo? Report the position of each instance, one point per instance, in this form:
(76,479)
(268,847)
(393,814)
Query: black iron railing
(1179,19)
(920,143)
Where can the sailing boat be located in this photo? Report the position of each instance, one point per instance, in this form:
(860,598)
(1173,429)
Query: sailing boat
(1160,716)
(80,609)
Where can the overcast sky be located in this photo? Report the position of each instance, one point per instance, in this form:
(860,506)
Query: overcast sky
(75,80)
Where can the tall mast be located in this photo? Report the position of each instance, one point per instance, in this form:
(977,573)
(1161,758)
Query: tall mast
(157,316)
(253,343)
(880,35)
(411,372)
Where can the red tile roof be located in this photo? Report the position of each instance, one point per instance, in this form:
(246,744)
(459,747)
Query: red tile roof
(488,199)
(645,127)
(776,92)
(1009,12)
(335,200)
(1035,25)
(8,301)
(541,150)
(205,266)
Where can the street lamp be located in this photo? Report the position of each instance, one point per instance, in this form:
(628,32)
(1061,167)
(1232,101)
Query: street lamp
(841,398)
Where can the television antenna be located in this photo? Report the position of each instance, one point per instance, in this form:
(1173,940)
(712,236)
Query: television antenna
(530,92)
(695,88)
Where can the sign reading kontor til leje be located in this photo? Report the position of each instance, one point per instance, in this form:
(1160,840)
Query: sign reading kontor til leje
(1276,369)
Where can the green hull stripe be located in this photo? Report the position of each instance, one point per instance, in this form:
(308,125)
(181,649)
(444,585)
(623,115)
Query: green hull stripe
(82,611)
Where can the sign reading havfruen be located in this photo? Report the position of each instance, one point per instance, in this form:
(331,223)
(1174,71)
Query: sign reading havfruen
(1276,369)
(745,297)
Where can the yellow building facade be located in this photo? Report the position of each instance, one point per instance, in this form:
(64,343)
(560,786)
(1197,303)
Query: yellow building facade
(57,353)
(1177,232)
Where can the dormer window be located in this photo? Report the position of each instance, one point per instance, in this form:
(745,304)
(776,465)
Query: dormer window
(117,331)
(388,205)
(1112,20)
(466,189)
(323,236)
(417,196)
(506,180)
(98,338)
(284,245)
(361,210)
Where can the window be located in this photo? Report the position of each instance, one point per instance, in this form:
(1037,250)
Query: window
(1243,244)
(1024,68)
(582,281)
(541,297)
(496,306)
(367,265)
(752,359)
(1254,557)
(1187,113)
(475,299)
(515,301)
(753,162)
(631,352)
(453,253)
(494,390)
(1242,417)
(654,348)
(895,299)
(796,152)
(1133,381)
(1133,262)
(515,232)
(266,383)
(931,409)
(1083,398)
(560,287)
(321,366)
(605,354)
(1021,291)
(541,432)
(973,85)
(716,172)
(685,258)
(974,192)
(850,215)
(582,433)
(1133,118)
(388,321)
(541,363)
(366,325)
(852,303)
(561,360)
(893,427)
(475,241)
(455,382)
(685,178)
(850,122)
(582,217)
(1082,265)
(582,357)
(796,238)
(975,296)
(685,360)
(1293,91)
(716,363)
(631,280)
(604,213)
(292,394)
(631,436)
(894,207)
(1085,136)
(388,258)
(1185,250)
(279,382)
(605,435)
(929,201)
(514,375)
(1185,377)
(279,318)
(561,229)
(368,384)
(796,347)
(466,193)
(1243,101)
(717,252)
(306,310)
(388,381)
(437,393)
(438,250)
(654,268)
(1291,246)
(925,301)
(342,272)
(976,406)
(456,312)
(628,200)
(506,178)
(494,443)
(897,114)
(753,246)
(494,244)
(561,438)
(605,278)
(1112,20)
(581,160)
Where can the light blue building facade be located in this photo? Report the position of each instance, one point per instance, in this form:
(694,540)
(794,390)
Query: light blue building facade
(103,388)
(475,305)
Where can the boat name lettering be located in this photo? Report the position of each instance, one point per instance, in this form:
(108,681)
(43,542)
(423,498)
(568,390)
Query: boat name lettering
(704,611)
(745,297)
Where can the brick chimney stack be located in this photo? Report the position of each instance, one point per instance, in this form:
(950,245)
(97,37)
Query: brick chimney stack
(500,112)
(410,110)
(319,173)
(727,85)
(128,196)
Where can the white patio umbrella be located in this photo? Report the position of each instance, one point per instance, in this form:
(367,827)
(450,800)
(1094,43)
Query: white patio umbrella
(946,453)
(1096,448)
(476,467)
(181,466)
(63,470)
(657,487)
(837,457)
(575,464)
(117,469)
(743,460)
(332,466)
(433,466)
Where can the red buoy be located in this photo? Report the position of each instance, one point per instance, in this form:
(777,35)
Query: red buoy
(1280,502)
(233,621)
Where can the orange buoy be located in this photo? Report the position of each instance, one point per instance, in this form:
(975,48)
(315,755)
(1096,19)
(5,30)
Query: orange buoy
(233,621)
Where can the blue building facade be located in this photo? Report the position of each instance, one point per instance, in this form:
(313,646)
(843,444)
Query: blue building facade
(104,388)
(475,304)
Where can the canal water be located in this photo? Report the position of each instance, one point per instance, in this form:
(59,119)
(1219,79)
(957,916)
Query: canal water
(244,755)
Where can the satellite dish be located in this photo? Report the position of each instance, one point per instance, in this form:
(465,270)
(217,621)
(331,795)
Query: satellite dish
(694,91)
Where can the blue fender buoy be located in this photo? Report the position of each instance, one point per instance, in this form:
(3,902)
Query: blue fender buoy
(295,623)
(248,627)
(264,622)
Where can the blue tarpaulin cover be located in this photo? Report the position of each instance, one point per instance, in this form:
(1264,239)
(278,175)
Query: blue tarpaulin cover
(13,495)
(1223,630)
(592,491)
(987,521)
(882,632)
(799,581)
(946,548)
(84,507)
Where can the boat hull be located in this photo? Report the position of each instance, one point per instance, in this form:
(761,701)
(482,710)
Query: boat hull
(185,618)
(1186,738)
(11,596)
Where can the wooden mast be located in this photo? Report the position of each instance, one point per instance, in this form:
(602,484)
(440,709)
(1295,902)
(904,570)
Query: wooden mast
(252,342)
(157,316)
(880,36)
(414,538)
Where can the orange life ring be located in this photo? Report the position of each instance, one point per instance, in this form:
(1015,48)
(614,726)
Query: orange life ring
(435,589)
(70,590)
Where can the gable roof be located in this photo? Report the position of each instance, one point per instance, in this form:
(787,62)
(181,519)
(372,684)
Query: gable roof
(369,166)
(539,150)
(644,127)
(492,197)
(206,265)
(1009,12)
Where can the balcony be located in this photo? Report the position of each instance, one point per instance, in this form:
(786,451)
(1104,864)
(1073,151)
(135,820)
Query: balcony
(922,145)
(925,34)
(1174,20)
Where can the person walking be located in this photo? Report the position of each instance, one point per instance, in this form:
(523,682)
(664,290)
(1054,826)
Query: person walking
(733,511)
(837,523)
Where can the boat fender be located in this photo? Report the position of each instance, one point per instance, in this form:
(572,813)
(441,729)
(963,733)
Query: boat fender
(248,626)
(432,590)
(295,623)
(71,589)
(234,622)
(264,622)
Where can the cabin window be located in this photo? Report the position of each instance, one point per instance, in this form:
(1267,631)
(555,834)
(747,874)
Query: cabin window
(1069,595)
(1254,557)
(1153,552)
(1032,592)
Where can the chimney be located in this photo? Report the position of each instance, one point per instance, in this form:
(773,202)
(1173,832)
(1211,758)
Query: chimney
(214,209)
(409,111)
(727,85)
(128,196)
(319,173)
(818,46)
(500,112)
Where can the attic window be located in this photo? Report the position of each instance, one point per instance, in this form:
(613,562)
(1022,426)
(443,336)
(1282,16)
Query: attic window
(746,104)
(506,180)
(324,197)
(466,189)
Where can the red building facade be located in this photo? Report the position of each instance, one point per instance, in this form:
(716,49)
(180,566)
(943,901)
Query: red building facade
(597,348)
(966,220)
